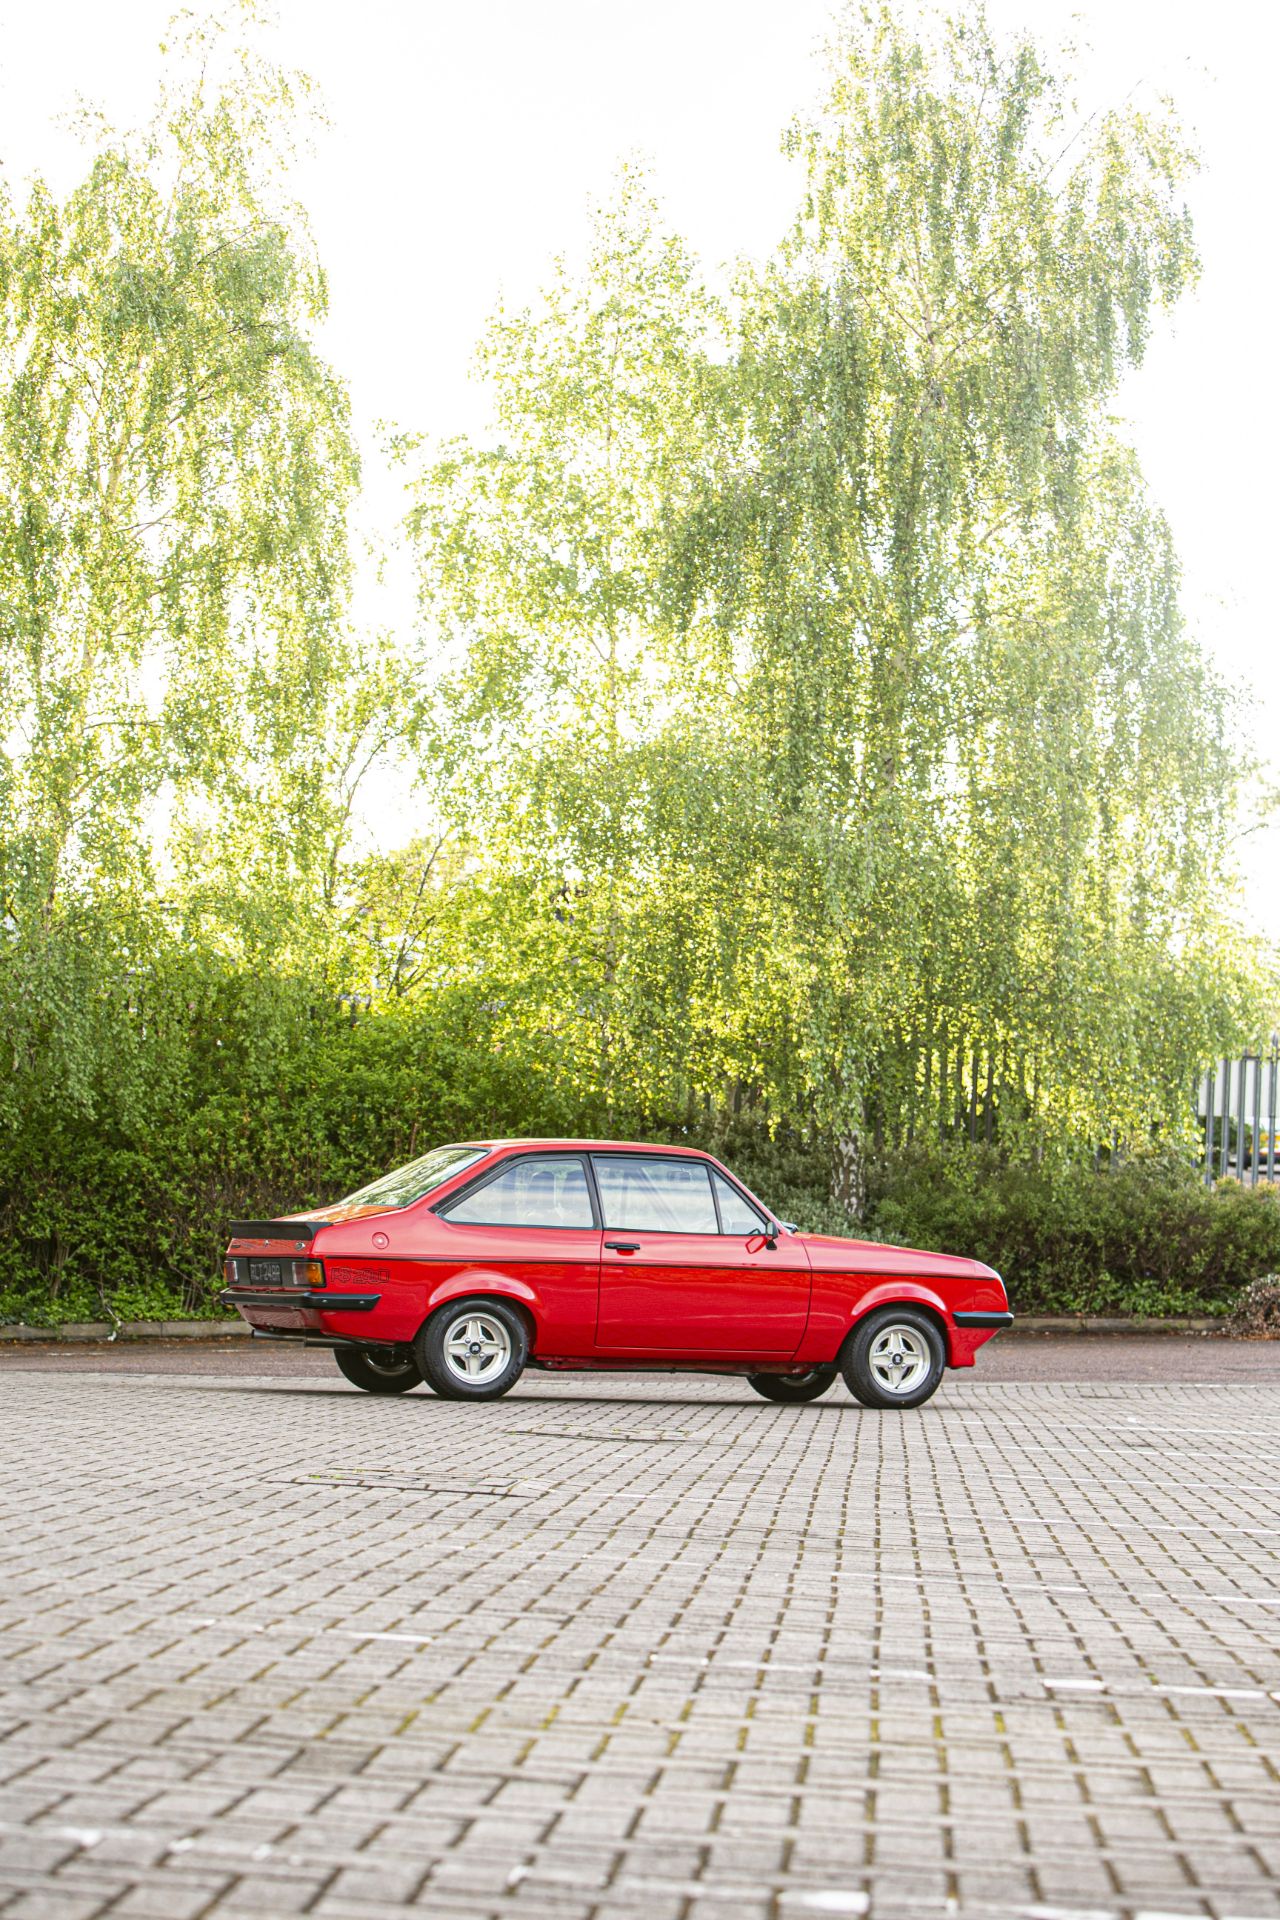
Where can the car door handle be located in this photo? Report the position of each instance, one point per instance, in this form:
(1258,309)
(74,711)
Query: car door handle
(622,1246)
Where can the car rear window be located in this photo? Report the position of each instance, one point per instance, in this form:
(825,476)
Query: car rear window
(410,1182)
(539,1190)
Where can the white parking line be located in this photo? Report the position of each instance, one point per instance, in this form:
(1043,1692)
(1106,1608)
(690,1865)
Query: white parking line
(308,1627)
(1223,1433)
(842,1900)
(787,1666)
(1009,1586)
(1224,1527)
(1159,1692)
(1129,1523)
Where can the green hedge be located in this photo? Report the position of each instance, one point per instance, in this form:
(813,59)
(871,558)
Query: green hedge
(120,1203)
(1149,1238)
(124,1208)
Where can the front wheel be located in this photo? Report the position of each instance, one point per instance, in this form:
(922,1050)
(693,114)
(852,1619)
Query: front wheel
(375,1373)
(472,1349)
(894,1358)
(789,1389)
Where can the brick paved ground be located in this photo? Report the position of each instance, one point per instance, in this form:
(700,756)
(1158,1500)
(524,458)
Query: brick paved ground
(637,1647)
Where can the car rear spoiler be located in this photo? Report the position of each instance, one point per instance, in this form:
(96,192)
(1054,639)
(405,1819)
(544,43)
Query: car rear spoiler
(277,1229)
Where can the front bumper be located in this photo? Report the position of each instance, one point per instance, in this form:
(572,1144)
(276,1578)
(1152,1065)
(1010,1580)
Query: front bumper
(992,1320)
(291,1297)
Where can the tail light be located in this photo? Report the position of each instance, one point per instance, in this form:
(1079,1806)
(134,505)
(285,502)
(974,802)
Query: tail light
(267,1272)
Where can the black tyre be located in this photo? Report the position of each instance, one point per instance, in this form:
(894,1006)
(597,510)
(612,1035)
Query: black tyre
(789,1389)
(894,1358)
(472,1349)
(382,1372)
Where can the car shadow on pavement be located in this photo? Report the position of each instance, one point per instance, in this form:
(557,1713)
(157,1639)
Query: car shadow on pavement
(207,1384)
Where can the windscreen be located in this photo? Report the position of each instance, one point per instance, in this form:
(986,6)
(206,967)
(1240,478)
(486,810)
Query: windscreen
(409,1183)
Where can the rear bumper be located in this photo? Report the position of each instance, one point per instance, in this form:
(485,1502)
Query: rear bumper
(292,1297)
(994,1321)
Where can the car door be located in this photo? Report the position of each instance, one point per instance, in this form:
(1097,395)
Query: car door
(532,1219)
(684,1270)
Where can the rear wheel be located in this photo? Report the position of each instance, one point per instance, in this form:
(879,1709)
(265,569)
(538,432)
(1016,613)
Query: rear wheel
(894,1358)
(789,1389)
(384,1372)
(472,1349)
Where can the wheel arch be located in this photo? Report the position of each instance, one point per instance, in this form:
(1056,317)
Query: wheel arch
(486,1286)
(908,1294)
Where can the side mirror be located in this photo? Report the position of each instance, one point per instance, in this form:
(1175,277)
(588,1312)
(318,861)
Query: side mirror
(771,1232)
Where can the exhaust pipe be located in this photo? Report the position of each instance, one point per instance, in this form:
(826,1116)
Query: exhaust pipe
(285,1339)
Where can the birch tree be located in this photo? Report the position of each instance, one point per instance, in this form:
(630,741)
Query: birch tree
(997,759)
(175,470)
(541,553)
(823,648)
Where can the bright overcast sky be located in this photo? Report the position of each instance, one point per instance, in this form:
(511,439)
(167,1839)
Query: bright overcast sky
(469,134)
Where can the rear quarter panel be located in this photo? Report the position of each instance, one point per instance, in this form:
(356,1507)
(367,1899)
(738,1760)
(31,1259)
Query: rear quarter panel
(426,1262)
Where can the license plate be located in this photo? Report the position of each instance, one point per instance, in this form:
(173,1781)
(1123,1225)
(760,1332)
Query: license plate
(271,1273)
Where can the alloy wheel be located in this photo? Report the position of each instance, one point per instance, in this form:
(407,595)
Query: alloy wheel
(899,1359)
(477,1348)
(389,1368)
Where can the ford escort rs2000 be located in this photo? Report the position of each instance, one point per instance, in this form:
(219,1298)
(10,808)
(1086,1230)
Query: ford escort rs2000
(476,1261)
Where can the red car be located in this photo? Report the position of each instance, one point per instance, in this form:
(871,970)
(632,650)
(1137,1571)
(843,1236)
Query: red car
(475,1261)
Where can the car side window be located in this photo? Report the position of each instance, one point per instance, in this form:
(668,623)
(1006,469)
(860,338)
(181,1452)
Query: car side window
(540,1190)
(639,1191)
(737,1215)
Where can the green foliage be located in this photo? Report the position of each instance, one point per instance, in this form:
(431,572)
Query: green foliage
(788,1172)
(822,664)
(175,474)
(126,1215)
(810,752)
(273,1099)
(1148,1238)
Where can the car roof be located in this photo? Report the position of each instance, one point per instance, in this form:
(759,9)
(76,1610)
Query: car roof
(592,1146)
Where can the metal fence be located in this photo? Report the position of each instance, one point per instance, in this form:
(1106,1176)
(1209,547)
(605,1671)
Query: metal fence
(1236,1101)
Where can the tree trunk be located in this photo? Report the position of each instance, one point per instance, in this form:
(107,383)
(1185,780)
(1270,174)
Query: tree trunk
(849,1175)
